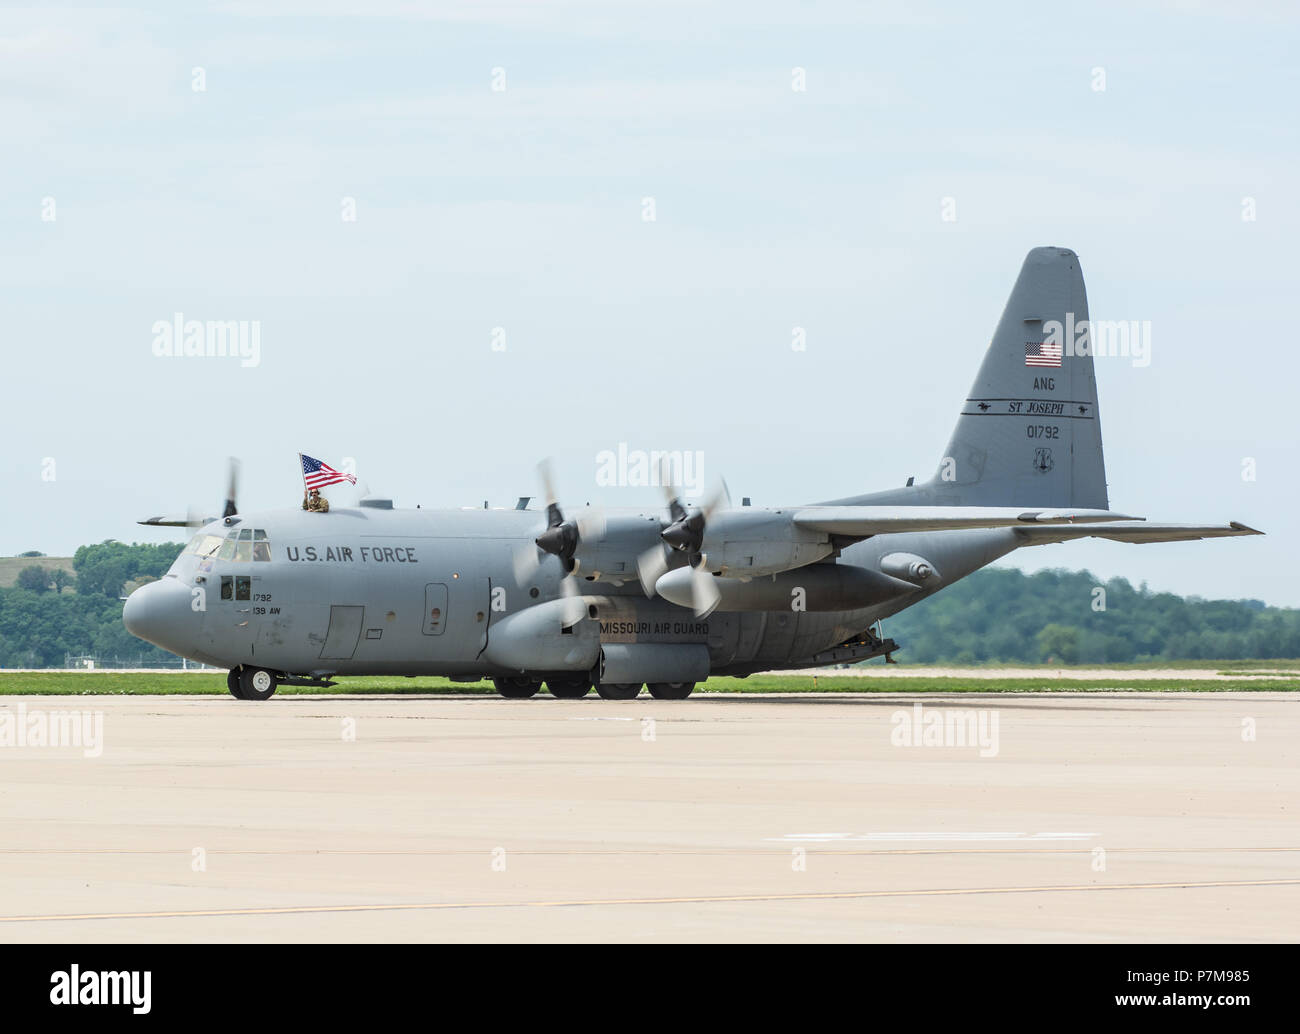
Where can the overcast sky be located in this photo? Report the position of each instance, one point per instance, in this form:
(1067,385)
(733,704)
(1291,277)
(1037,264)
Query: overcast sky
(498,156)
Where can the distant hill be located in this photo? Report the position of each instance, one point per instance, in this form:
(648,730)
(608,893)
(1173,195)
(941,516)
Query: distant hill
(41,629)
(11,565)
(1003,614)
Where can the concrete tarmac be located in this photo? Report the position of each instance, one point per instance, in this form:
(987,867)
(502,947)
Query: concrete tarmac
(1064,817)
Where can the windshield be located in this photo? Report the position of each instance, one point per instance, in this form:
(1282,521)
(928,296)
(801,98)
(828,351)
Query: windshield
(241,546)
(203,545)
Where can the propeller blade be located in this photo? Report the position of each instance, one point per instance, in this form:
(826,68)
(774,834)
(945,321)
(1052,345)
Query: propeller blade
(176,520)
(704,593)
(672,497)
(591,524)
(548,480)
(232,485)
(650,567)
(574,609)
(721,495)
(527,559)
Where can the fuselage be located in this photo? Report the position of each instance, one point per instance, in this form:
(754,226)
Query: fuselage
(374,590)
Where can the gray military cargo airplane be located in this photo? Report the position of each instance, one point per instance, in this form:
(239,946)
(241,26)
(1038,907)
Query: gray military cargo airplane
(662,599)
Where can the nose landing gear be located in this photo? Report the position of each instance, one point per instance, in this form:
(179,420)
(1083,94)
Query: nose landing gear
(246,683)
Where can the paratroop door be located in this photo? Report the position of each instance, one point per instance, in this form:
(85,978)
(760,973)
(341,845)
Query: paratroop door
(344,631)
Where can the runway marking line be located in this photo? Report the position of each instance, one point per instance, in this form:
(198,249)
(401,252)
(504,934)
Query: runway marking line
(824,850)
(596,902)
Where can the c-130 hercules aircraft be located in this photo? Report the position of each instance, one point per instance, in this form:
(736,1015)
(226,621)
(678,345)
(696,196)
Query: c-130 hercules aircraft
(662,599)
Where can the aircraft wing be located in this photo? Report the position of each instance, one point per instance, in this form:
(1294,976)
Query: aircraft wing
(862,521)
(1124,532)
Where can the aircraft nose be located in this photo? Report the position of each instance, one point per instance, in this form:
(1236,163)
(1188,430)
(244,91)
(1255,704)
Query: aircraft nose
(160,613)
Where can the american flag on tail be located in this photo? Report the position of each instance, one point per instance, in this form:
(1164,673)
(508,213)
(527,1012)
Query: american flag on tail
(316,474)
(1042,353)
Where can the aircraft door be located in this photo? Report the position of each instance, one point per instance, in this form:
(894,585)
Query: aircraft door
(456,617)
(343,634)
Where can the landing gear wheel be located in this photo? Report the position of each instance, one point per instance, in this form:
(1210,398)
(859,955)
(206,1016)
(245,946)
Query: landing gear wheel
(232,684)
(618,690)
(569,689)
(256,683)
(517,688)
(671,690)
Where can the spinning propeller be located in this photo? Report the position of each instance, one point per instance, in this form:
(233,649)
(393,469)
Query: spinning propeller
(192,518)
(560,538)
(684,534)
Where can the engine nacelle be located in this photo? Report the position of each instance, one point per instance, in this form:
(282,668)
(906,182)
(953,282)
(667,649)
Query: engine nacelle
(612,556)
(749,543)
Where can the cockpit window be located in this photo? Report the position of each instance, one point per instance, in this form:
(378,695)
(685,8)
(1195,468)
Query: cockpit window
(244,545)
(204,545)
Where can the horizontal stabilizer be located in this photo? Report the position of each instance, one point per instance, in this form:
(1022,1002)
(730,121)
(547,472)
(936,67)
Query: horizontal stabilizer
(862,521)
(1146,532)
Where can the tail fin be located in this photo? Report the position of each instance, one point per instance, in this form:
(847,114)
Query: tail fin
(1029,432)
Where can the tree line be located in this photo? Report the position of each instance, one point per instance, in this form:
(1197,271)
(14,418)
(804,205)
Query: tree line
(1071,617)
(40,624)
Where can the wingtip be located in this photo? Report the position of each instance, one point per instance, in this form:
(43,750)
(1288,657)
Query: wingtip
(1244,528)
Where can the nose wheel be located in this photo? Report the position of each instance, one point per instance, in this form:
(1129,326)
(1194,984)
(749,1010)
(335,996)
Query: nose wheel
(247,683)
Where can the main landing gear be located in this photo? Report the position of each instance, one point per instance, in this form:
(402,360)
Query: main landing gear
(569,688)
(517,688)
(671,690)
(618,690)
(576,687)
